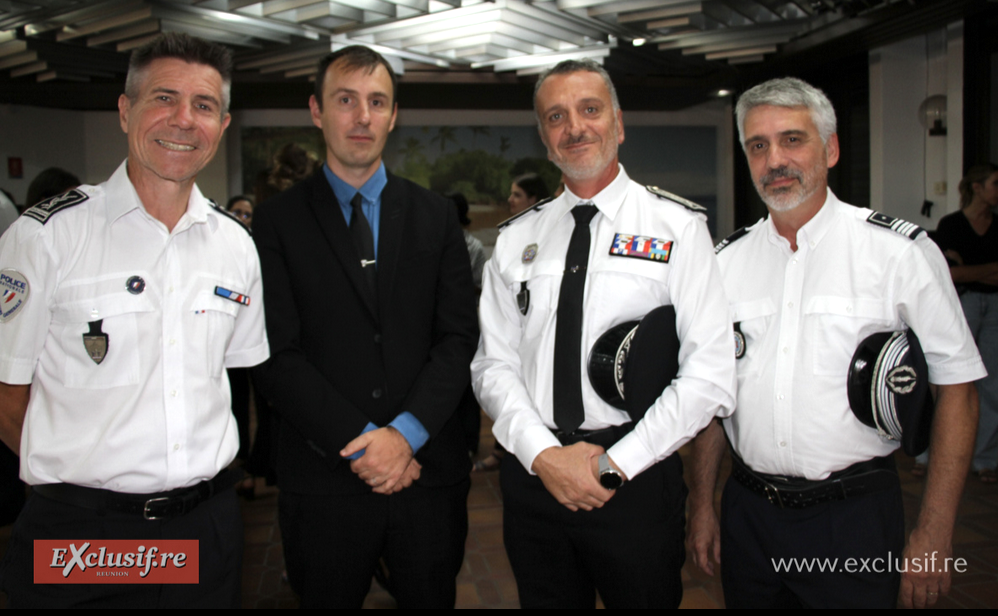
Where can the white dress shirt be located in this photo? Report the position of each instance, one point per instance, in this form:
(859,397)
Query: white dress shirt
(804,313)
(155,413)
(512,372)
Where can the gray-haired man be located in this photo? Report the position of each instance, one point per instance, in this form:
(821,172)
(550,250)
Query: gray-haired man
(807,285)
(594,498)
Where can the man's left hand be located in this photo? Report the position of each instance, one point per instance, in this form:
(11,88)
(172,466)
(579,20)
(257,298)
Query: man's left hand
(385,460)
(927,575)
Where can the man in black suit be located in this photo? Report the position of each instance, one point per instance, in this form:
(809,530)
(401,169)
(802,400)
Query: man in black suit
(371,317)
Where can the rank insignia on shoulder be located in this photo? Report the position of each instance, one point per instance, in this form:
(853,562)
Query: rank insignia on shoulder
(734,237)
(537,207)
(686,203)
(239,298)
(44,210)
(641,247)
(905,228)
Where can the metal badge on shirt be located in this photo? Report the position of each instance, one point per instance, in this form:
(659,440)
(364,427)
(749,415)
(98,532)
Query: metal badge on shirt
(529,253)
(96,342)
(14,292)
(641,247)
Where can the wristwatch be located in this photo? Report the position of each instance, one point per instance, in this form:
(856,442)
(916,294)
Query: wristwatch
(608,477)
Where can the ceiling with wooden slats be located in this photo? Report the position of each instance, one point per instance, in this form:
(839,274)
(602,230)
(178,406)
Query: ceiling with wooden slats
(458,41)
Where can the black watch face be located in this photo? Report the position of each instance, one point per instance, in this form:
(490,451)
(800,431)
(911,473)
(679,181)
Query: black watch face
(610,481)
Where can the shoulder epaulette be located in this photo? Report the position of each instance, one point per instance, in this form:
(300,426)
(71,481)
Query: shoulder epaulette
(228,215)
(533,208)
(44,210)
(686,203)
(905,228)
(731,239)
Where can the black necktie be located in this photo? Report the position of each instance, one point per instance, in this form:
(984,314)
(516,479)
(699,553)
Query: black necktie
(569,412)
(364,240)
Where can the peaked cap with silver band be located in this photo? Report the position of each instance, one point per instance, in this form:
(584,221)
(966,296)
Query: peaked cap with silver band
(632,363)
(888,387)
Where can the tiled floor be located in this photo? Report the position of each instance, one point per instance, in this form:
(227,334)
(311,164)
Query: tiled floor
(486,581)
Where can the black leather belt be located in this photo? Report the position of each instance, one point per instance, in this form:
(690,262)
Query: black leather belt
(604,437)
(797,493)
(157,506)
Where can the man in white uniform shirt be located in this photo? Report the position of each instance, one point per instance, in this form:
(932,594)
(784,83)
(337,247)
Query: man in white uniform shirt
(566,533)
(807,285)
(124,304)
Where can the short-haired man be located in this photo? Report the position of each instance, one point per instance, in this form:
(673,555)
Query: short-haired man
(371,317)
(807,285)
(127,301)
(605,252)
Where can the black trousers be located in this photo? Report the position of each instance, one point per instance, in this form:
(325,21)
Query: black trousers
(630,550)
(215,523)
(758,538)
(332,544)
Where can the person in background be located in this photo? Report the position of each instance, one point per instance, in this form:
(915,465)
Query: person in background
(969,240)
(241,206)
(525,191)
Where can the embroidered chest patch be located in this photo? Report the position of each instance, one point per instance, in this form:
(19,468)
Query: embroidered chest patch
(641,247)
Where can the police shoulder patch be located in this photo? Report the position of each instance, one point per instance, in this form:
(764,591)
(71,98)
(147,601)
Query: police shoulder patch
(44,210)
(537,207)
(734,237)
(226,214)
(686,203)
(905,228)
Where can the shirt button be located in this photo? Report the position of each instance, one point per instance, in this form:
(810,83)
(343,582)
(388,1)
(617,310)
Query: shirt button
(812,244)
(849,309)
(173,393)
(176,447)
(790,304)
(376,393)
(783,443)
(786,350)
(170,289)
(377,338)
(779,397)
(173,341)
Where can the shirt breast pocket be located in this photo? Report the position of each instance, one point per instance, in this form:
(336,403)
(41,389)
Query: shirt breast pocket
(213,324)
(100,341)
(836,325)
(753,319)
(535,292)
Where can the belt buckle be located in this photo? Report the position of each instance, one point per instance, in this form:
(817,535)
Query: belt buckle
(145,509)
(773,494)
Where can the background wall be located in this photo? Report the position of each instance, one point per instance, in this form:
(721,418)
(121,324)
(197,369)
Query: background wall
(907,165)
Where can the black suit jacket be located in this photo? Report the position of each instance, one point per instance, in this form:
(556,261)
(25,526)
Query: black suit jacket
(340,359)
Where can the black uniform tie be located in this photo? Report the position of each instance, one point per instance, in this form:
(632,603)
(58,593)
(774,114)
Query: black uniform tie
(569,412)
(364,240)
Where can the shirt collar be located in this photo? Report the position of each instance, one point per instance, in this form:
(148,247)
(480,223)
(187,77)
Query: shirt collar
(370,191)
(608,200)
(815,229)
(122,198)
